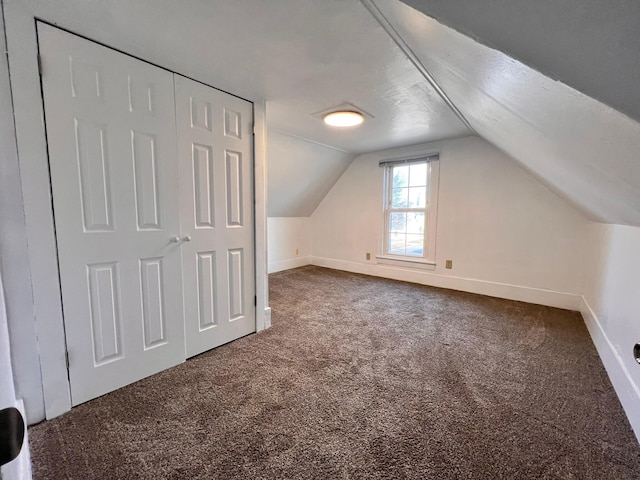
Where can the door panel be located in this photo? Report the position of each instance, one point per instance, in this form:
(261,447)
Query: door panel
(112,150)
(215,141)
(146,174)
(203,185)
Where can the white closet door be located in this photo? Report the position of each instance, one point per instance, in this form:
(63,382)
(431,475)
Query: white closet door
(112,150)
(215,145)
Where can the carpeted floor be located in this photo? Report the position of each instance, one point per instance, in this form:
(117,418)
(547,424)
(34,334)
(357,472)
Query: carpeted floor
(362,377)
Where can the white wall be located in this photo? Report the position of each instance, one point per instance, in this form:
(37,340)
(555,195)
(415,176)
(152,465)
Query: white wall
(20,468)
(286,235)
(7,391)
(300,173)
(32,285)
(14,258)
(506,233)
(611,307)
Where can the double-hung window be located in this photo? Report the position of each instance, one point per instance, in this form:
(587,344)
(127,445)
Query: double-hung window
(410,209)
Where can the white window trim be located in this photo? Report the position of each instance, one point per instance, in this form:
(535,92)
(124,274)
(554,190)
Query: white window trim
(407,262)
(428,261)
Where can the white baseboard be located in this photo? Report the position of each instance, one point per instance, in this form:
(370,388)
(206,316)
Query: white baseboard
(267,318)
(20,468)
(539,296)
(627,390)
(288,264)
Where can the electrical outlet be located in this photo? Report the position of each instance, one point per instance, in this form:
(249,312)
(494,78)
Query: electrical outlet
(297,251)
(368,256)
(448,264)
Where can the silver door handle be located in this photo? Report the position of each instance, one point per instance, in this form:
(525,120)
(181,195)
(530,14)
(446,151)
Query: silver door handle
(174,239)
(186,238)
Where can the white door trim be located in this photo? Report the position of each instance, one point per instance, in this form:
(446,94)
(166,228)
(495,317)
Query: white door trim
(34,173)
(263,311)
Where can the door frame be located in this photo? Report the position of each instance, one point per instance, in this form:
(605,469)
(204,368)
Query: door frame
(28,110)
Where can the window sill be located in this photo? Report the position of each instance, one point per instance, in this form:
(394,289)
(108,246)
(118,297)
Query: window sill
(419,263)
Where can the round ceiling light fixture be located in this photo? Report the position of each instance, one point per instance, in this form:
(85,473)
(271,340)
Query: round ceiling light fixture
(343,119)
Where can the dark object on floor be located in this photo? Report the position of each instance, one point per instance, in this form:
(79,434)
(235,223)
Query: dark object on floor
(363,377)
(11,434)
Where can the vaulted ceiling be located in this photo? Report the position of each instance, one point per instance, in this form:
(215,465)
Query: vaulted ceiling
(306,56)
(301,56)
(583,149)
(590,45)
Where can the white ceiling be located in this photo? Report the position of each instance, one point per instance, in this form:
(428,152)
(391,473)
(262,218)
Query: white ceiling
(334,51)
(581,148)
(591,45)
(301,56)
(300,174)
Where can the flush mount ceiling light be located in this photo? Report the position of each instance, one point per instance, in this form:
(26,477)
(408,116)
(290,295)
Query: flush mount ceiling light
(344,118)
(344,115)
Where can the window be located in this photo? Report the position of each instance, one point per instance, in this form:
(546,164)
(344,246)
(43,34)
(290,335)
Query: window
(410,209)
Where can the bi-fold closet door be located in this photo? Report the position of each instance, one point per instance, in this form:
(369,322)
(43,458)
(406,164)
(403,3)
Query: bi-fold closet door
(215,145)
(152,189)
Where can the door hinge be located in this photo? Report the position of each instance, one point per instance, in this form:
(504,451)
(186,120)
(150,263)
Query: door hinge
(39,65)
(66,359)
(255,301)
(253,127)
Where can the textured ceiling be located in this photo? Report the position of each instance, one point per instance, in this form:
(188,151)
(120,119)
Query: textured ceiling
(300,174)
(591,45)
(301,56)
(581,148)
(304,56)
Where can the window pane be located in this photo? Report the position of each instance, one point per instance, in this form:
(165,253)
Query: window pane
(400,198)
(417,196)
(415,245)
(396,243)
(400,176)
(398,222)
(418,175)
(415,223)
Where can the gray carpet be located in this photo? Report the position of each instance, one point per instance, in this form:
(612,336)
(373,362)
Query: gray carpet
(363,377)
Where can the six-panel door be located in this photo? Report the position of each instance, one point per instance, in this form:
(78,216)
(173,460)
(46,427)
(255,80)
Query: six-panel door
(115,169)
(111,136)
(215,151)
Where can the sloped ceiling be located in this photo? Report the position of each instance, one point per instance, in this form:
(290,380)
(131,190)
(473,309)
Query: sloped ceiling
(591,45)
(303,56)
(300,56)
(300,174)
(581,148)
